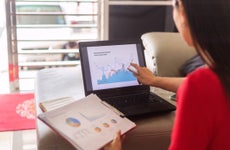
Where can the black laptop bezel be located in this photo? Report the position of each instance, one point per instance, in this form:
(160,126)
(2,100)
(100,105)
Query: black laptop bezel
(113,91)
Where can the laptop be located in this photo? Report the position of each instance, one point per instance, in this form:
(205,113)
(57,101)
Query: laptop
(104,70)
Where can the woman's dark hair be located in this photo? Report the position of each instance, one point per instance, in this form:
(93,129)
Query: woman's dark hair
(209,23)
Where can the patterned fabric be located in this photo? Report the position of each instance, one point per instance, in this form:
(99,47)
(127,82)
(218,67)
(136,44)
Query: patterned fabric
(17,112)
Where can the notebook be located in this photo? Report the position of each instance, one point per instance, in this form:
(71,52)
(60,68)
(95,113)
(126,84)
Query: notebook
(104,70)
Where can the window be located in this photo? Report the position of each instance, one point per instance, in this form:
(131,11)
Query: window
(39,19)
(40,30)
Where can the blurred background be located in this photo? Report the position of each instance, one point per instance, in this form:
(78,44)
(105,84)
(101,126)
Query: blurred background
(38,34)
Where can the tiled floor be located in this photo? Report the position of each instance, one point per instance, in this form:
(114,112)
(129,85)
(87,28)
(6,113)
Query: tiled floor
(18,140)
(6,140)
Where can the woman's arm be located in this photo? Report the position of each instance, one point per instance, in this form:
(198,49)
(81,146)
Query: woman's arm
(145,76)
(168,83)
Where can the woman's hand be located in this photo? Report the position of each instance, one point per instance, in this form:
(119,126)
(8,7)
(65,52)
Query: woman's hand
(116,144)
(144,75)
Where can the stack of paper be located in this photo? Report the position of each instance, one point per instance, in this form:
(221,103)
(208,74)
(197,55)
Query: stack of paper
(55,103)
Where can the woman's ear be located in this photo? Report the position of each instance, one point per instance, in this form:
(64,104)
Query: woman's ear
(183,17)
(183,25)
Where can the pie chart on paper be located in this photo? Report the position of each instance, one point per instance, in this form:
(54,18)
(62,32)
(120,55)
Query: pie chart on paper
(73,122)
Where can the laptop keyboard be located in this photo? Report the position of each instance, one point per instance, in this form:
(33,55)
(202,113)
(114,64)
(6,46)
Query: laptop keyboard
(130,100)
(140,104)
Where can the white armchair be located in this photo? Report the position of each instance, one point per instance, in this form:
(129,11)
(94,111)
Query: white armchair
(165,52)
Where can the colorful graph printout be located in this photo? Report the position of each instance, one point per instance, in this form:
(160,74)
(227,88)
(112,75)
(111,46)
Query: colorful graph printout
(97,129)
(106,125)
(113,121)
(73,122)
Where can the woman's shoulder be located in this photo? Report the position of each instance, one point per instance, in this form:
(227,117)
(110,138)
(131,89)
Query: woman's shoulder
(202,85)
(204,75)
(206,82)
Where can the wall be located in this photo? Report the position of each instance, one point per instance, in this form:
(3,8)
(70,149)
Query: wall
(131,19)
(4,77)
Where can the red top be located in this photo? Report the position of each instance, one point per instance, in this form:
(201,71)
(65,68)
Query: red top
(203,114)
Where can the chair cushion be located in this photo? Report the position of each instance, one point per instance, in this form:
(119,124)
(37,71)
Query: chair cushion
(168,52)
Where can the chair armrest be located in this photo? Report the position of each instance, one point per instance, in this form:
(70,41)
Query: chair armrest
(168,52)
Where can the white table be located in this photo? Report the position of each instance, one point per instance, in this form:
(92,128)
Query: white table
(152,132)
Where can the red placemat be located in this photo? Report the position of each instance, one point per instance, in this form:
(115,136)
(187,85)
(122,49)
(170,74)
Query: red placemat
(17,112)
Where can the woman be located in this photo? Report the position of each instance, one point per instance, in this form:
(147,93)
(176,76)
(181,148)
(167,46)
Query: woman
(203,98)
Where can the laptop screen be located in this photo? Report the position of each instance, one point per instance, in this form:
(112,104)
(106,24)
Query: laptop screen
(105,64)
